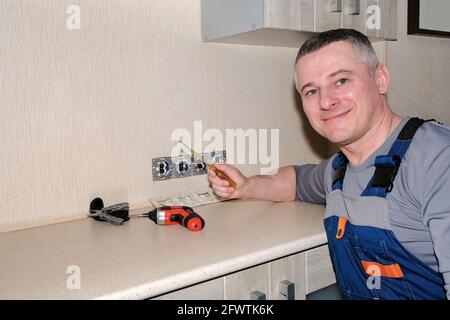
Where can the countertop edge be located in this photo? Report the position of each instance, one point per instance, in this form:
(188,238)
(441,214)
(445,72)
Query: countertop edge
(216,270)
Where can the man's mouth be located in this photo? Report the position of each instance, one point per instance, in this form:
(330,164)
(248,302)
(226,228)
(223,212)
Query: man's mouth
(335,116)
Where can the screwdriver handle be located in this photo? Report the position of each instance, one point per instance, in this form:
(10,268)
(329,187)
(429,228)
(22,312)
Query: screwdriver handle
(222,175)
(193,222)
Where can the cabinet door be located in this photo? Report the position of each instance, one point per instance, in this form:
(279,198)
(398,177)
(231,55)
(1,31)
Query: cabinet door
(282,14)
(325,19)
(352,19)
(292,269)
(240,285)
(289,14)
(381,18)
(209,290)
(319,270)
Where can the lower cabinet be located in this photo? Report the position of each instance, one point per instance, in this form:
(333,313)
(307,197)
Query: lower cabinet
(248,284)
(319,270)
(286,278)
(209,290)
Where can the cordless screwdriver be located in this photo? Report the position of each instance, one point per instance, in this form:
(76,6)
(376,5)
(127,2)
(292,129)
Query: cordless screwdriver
(182,215)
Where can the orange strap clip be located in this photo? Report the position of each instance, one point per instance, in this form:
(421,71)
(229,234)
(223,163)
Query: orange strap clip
(341,227)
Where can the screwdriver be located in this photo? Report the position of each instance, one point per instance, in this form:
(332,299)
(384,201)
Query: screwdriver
(222,175)
(183,215)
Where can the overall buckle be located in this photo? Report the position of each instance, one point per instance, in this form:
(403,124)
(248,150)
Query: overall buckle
(385,172)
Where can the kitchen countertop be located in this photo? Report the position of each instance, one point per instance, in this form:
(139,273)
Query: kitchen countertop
(141,259)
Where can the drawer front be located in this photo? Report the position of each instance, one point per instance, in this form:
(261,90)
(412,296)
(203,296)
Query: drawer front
(319,270)
(210,290)
(291,269)
(240,285)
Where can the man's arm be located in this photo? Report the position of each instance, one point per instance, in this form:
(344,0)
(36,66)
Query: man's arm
(435,202)
(304,183)
(277,187)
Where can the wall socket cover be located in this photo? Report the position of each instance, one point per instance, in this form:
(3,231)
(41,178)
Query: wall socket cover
(215,156)
(185,165)
(190,199)
(162,168)
(182,166)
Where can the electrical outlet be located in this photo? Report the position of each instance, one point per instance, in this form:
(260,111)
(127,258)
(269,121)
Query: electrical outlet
(162,168)
(182,166)
(198,166)
(165,168)
(215,157)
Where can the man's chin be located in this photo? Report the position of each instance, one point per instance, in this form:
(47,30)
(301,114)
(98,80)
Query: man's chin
(338,139)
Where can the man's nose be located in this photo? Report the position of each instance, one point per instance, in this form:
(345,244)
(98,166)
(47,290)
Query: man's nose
(327,100)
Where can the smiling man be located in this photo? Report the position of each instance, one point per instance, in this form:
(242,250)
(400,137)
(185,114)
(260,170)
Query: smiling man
(343,90)
(386,192)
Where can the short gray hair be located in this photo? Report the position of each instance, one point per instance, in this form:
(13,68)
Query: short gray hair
(360,43)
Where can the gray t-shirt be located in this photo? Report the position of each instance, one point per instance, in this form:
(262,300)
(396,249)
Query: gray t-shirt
(419,203)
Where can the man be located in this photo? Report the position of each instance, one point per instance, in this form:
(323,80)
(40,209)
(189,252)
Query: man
(387,192)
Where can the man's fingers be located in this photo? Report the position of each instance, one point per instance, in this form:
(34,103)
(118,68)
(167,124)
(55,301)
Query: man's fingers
(223,194)
(226,168)
(215,180)
(221,189)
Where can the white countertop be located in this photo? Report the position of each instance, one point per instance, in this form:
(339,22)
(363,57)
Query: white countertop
(141,259)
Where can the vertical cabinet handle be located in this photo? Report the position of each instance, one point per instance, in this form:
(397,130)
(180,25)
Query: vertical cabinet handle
(257,295)
(334,6)
(287,289)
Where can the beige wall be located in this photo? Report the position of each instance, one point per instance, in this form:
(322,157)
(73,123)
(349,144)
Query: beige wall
(420,76)
(84,112)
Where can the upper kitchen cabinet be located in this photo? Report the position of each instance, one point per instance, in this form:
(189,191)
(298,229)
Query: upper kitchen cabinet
(288,23)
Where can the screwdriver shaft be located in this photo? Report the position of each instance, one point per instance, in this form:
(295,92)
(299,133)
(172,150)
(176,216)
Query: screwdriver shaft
(222,175)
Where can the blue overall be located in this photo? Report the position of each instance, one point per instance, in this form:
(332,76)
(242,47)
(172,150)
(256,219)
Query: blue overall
(369,261)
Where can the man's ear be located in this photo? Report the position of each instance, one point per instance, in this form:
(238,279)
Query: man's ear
(382,77)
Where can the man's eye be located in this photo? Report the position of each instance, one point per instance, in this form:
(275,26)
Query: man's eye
(341,82)
(311,92)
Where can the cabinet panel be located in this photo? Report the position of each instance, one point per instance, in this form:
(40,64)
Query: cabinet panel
(282,14)
(221,18)
(289,14)
(288,23)
(325,19)
(307,15)
(292,269)
(210,290)
(239,285)
(319,270)
(355,21)
(381,18)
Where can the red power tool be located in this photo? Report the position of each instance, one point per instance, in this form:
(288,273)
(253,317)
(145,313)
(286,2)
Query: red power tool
(182,215)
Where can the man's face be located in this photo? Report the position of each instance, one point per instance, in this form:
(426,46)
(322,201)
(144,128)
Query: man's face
(340,97)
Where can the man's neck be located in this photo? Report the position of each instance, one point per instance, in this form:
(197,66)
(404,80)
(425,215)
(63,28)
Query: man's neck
(360,150)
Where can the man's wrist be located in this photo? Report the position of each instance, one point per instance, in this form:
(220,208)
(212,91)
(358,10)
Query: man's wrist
(247,188)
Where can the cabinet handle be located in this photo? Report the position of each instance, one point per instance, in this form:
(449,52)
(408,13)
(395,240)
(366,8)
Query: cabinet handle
(334,6)
(257,295)
(353,7)
(287,289)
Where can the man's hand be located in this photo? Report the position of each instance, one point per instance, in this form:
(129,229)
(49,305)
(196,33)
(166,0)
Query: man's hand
(221,187)
(277,187)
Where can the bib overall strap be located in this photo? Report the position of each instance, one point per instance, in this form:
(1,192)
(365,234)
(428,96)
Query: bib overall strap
(339,166)
(387,165)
